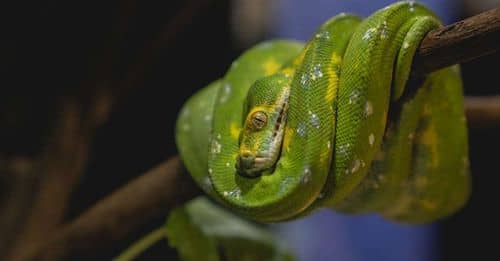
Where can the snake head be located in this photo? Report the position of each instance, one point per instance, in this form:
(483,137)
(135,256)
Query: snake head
(263,128)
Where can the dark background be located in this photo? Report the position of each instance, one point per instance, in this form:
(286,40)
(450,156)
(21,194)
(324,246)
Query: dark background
(149,57)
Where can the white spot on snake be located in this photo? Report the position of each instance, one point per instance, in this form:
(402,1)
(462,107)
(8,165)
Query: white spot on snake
(225,93)
(316,72)
(324,35)
(225,193)
(218,136)
(363,163)
(355,165)
(185,112)
(315,122)
(186,127)
(411,136)
(301,130)
(236,193)
(321,195)
(368,108)
(285,184)
(304,81)
(216,147)
(329,144)
(384,31)
(234,64)
(371,139)
(342,14)
(369,33)
(411,4)
(406,45)
(306,177)
(208,117)
(344,149)
(355,94)
(210,171)
(228,164)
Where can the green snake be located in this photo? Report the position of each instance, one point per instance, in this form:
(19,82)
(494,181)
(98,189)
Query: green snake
(294,127)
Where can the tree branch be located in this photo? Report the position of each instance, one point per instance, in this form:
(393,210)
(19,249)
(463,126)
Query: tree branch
(462,41)
(482,111)
(149,196)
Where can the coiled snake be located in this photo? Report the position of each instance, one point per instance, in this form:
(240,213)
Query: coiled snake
(291,127)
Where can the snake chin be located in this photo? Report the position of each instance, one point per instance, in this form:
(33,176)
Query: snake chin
(256,168)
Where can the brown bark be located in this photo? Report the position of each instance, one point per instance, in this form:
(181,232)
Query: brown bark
(459,42)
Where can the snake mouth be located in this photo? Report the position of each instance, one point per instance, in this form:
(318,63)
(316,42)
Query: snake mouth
(253,168)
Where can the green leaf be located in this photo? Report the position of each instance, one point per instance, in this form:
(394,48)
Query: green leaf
(186,236)
(201,230)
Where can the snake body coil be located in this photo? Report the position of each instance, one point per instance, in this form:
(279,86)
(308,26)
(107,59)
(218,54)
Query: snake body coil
(293,128)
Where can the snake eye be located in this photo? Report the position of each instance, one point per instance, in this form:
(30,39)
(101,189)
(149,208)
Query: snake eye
(259,120)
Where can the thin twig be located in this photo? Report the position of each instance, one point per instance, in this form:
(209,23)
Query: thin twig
(142,244)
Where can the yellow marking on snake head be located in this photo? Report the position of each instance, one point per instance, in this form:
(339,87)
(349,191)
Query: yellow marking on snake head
(270,66)
(235,130)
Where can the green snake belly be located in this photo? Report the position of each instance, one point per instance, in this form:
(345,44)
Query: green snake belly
(354,140)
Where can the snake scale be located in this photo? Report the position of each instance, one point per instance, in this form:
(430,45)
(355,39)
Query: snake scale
(293,127)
